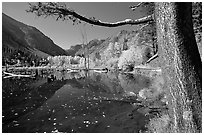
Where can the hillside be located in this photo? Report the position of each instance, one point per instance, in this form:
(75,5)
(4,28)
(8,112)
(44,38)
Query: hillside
(78,49)
(123,50)
(19,36)
(92,45)
(73,49)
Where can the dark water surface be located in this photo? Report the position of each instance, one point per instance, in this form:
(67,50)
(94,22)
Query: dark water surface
(74,102)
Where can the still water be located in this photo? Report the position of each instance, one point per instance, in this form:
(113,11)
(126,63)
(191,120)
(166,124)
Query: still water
(75,102)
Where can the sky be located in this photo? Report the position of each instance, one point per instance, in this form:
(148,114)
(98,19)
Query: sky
(64,33)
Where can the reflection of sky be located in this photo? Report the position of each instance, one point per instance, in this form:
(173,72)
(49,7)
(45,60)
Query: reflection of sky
(65,34)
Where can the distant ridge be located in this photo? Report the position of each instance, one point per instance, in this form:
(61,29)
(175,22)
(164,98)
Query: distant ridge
(19,36)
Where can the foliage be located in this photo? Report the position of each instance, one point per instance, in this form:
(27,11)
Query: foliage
(52,9)
(130,57)
(66,61)
(25,59)
(109,52)
(112,63)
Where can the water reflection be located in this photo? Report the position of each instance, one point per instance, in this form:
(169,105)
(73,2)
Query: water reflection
(76,102)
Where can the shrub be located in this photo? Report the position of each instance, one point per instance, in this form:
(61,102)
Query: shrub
(130,58)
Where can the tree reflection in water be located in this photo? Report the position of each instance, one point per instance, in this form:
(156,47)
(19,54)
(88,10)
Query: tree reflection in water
(82,102)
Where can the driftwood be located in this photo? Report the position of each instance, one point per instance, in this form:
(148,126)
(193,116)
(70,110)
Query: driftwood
(15,75)
(152,58)
(148,68)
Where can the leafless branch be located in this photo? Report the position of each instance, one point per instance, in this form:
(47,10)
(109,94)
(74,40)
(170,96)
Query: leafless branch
(15,75)
(152,58)
(145,25)
(145,67)
(136,6)
(64,13)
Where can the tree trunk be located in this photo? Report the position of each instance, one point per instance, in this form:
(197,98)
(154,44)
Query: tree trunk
(181,64)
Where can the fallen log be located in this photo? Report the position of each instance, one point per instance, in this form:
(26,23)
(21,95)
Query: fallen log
(143,67)
(15,75)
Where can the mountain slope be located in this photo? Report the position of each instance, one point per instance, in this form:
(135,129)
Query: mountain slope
(92,45)
(73,49)
(124,50)
(16,35)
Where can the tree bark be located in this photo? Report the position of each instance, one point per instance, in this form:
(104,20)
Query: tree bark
(180,63)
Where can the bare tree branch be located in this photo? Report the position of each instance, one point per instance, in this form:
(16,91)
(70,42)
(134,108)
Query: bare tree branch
(152,58)
(15,75)
(136,6)
(64,13)
(146,67)
(139,5)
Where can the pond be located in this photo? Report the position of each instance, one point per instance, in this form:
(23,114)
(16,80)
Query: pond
(83,102)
